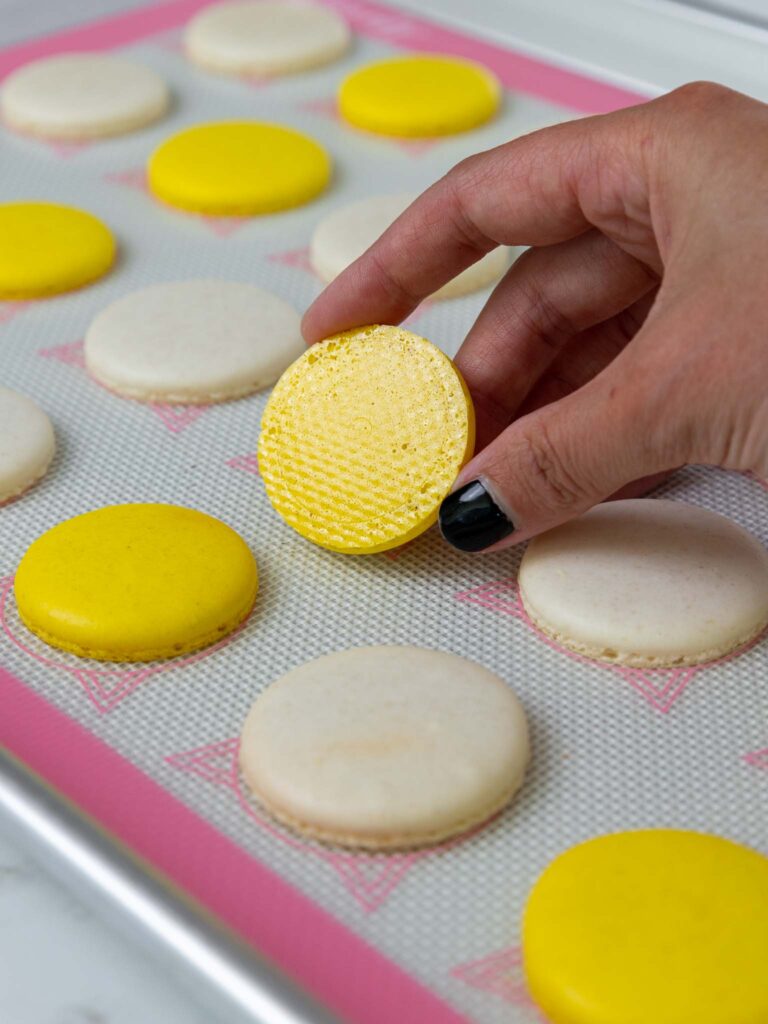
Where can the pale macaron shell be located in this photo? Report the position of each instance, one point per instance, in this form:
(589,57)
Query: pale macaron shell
(647,582)
(82,96)
(345,234)
(385,747)
(27,443)
(195,341)
(244,37)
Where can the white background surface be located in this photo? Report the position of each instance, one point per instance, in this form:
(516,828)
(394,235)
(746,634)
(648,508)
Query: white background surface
(59,962)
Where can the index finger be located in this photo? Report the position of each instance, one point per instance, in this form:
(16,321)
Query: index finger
(543,188)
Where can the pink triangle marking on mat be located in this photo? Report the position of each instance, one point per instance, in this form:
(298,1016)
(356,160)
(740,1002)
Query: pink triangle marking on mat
(65,149)
(11,309)
(368,878)
(394,553)
(223,227)
(500,973)
(214,762)
(257,81)
(72,353)
(758,759)
(177,418)
(758,479)
(248,463)
(325,106)
(662,688)
(297,258)
(135,177)
(415,147)
(105,687)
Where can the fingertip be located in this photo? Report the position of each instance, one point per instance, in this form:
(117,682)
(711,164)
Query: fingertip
(308,331)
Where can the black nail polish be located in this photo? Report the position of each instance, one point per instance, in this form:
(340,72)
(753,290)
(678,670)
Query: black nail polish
(471,520)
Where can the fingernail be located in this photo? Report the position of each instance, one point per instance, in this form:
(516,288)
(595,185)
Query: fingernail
(471,520)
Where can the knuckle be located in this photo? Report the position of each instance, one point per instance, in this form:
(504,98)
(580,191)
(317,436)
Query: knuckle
(543,318)
(546,471)
(699,95)
(460,191)
(397,290)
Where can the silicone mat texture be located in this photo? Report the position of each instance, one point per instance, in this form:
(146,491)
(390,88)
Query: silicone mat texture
(612,748)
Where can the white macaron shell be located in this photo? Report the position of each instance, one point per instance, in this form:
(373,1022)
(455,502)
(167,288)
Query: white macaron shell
(82,96)
(647,582)
(263,38)
(385,745)
(27,443)
(193,341)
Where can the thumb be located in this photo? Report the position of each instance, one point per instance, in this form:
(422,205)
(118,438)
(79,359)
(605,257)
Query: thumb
(557,462)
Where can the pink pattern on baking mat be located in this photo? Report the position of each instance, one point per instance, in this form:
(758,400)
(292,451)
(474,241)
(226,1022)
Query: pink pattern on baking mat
(758,759)
(662,688)
(11,309)
(248,463)
(297,258)
(173,417)
(177,417)
(71,353)
(369,878)
(760,481)
(502,974)
(67,148)
(105,684)
(134,177)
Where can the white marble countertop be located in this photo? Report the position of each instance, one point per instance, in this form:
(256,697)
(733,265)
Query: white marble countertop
(60,963)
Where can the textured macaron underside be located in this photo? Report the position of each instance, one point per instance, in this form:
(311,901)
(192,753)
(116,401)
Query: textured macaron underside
(363,437)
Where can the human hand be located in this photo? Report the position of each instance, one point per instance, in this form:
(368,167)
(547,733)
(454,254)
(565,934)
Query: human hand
(630,339)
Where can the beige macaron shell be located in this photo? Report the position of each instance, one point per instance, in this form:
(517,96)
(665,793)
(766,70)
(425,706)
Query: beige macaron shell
(385,747)
(82,96)
(27,443)
(263,38)
(647,582)
(344,235)
(193,341)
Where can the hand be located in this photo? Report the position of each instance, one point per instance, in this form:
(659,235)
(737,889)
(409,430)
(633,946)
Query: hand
(630,339)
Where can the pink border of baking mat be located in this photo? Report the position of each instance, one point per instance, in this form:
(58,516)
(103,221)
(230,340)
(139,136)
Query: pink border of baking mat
(333,963)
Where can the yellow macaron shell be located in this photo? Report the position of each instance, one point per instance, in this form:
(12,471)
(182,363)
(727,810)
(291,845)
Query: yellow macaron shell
(238,168)
(420,95)
(363,437)
(46,249)
(650,927)
(136,583)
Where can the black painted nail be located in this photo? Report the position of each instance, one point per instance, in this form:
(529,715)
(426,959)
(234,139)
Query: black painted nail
(471,520)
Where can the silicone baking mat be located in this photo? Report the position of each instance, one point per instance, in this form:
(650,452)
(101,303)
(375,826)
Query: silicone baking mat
(151,750)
